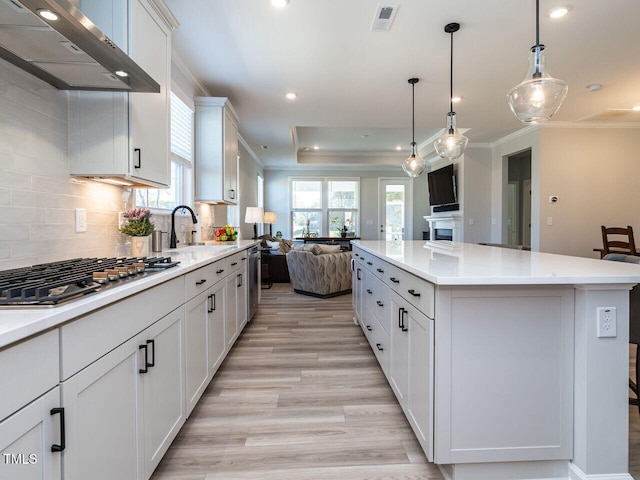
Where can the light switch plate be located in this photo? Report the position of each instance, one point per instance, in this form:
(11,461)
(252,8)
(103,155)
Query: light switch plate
(81,220)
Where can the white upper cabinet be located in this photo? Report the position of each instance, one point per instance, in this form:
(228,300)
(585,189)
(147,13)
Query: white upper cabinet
(126,135)
(216,139)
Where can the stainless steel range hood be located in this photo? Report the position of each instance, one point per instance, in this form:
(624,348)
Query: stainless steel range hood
(70,53)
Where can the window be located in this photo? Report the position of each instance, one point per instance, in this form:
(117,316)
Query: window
(323,207)
(180,191)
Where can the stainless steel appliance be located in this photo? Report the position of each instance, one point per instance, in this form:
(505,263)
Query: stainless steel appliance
(254,281)
(50,284)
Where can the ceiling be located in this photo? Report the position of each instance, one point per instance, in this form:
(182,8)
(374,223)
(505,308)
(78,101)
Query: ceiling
(354,101)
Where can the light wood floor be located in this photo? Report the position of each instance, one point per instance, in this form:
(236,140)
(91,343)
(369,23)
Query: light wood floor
(301,397)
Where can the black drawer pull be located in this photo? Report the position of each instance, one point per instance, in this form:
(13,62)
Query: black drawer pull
(356,254)
(394,280)
(200,282)
(379,270)
(380,304)
(139,152)
(369,328)
(59,447)
(413,292)
(212,303)
(220,271)
(239,280)
(402,325)
(379,347)
(369,290)
(234,264)
(369,263)
(358,275)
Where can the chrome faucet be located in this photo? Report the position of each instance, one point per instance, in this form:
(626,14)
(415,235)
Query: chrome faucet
(173,239)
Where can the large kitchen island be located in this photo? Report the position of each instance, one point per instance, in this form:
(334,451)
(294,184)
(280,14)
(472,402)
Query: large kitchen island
(508,364)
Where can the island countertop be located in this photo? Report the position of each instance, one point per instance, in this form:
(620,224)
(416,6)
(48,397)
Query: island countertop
(451,263)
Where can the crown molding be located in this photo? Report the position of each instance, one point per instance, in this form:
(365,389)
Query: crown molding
(176,59)
(255,157)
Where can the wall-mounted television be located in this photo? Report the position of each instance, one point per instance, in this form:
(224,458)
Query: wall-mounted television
(442,189)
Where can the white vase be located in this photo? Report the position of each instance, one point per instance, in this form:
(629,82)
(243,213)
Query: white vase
(140,246)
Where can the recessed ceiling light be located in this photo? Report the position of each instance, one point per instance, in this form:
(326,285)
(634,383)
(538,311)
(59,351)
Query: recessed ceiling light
(121,73)
(594,87)
(292,96)
(279,3)
(316,147)
(558,12)
(636,108)
(398,147)
(456,99)
(48,14)
(366,135)
(264,147)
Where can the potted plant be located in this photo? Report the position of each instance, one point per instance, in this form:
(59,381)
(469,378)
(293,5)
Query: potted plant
(138,226)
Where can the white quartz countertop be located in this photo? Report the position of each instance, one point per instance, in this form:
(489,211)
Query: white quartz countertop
(451,263)
(17,323)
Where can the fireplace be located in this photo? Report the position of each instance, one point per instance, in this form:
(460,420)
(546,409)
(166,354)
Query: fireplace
(445,228)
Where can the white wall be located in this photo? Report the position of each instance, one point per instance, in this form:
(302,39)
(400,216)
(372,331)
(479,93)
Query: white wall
(476,195)
(277,197)
(594,173)
(37,195)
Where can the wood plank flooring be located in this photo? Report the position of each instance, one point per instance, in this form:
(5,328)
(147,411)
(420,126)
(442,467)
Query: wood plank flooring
(301,397)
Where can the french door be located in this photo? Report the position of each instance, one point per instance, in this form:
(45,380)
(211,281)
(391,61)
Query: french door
(395,212)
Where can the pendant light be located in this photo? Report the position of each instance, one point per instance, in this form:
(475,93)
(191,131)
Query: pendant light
(539,95)
(415,164)
(452,143)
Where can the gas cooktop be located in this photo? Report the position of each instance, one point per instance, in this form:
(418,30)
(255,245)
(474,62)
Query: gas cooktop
(50,284)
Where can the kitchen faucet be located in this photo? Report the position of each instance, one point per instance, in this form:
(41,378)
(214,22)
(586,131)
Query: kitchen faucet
(173,239)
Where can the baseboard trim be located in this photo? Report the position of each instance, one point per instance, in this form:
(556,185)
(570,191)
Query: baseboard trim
(576,474)
(318,295)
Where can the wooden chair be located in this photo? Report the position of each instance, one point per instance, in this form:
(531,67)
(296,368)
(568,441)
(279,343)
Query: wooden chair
(622,242)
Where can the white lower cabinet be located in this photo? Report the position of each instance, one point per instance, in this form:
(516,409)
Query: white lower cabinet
(27,438)
(124,410)
(205,344)
(236,312)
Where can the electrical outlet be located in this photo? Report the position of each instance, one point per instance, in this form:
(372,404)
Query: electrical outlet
(607,321)
(81,220)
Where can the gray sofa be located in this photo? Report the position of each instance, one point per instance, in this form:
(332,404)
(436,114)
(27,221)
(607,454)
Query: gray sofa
(319,274)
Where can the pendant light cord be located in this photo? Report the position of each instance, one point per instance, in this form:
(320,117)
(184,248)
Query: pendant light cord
(413,117)
(451,78)
(537,23)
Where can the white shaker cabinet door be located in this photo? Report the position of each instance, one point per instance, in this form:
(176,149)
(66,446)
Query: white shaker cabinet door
(216,327)
(26,440)
(103,417)
(196,337)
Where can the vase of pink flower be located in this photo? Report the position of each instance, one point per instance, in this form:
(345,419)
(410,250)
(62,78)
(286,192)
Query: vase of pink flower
(139,227)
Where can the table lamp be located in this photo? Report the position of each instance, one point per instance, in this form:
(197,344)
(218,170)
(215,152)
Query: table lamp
(254,215)
(270,218)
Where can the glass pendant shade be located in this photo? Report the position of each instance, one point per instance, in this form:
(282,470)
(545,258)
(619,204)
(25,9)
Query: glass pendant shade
(452,143)
(415,164)
(540,95)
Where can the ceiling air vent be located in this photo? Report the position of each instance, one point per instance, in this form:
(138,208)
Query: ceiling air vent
(384,18)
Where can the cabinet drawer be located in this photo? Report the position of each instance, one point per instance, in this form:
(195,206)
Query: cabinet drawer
(237,261)
(28,370)
(418,292)
(377,298)
(380,344)
(201,279)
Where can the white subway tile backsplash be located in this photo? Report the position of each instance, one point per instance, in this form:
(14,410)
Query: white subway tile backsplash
(37,194)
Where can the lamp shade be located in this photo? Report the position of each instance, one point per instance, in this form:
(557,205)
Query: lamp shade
(254,215)
(270,217)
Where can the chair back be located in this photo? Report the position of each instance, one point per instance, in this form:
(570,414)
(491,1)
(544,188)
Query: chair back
(634,298)
(618,240)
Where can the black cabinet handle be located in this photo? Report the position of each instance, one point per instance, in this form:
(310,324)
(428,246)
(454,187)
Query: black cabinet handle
(404,327)
(380,304)
(59,447)
(379,347)
(146,358)
(243,258)
(220,271)
(413,292)
(400,310)
(234,264)
(369,290)
(379,270)
(369,263)
(232,193)
(139,152)
(356,254)
(369,328)
(394,280)
(239,277)
(200,282)
(212,302)
(353,265)
(153,353)
(358,274)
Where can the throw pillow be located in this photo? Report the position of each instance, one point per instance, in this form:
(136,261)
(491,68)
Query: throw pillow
(316,249)
(329,248)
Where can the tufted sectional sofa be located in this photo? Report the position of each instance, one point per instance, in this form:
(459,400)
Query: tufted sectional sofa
(320,274)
